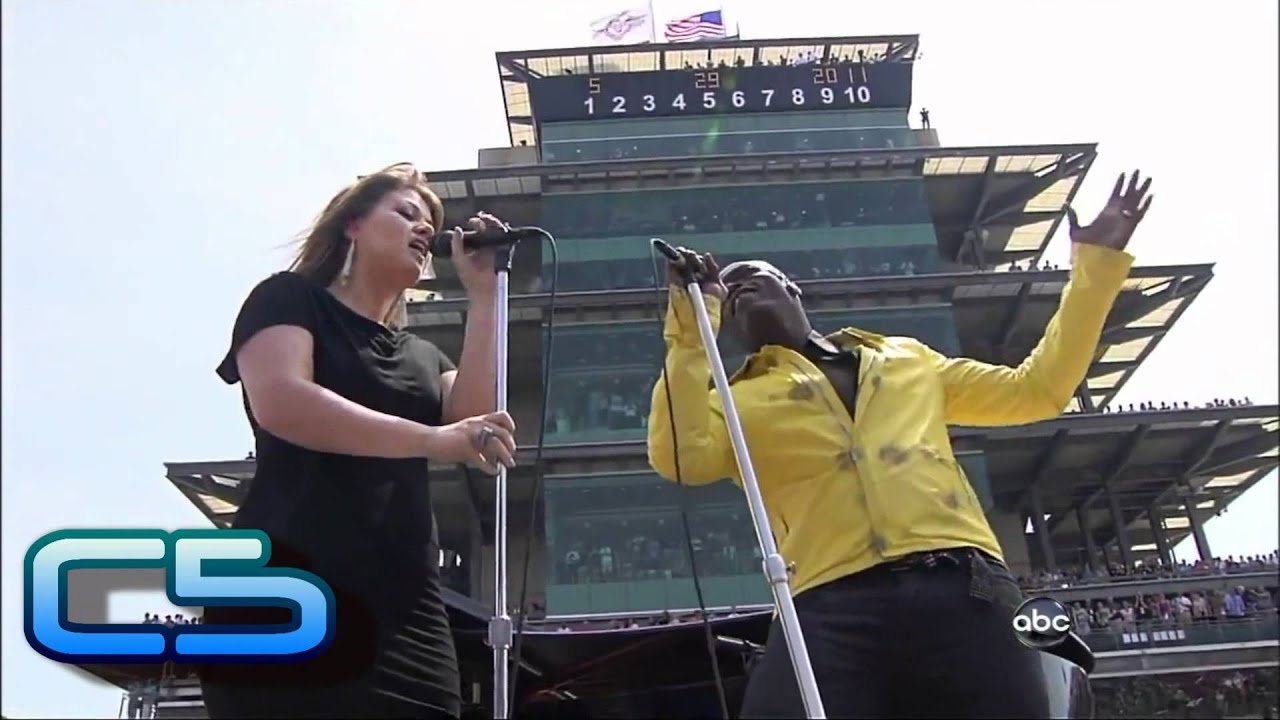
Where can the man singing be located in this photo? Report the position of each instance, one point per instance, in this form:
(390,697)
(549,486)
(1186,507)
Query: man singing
(899,582)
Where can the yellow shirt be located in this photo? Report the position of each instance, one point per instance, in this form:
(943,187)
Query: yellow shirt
(843,496)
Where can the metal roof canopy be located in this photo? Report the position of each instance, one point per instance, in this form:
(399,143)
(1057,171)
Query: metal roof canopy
(1068,458)
(517,68)
(1000,316)
(990,205)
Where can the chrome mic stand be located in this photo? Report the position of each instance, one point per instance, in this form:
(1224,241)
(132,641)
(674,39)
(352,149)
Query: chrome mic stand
(500,630)
(775,568)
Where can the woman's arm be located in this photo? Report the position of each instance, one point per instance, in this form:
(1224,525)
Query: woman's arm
(276,370)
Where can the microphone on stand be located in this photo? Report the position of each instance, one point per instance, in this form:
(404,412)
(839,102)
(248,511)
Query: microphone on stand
(665,248)
(442,244)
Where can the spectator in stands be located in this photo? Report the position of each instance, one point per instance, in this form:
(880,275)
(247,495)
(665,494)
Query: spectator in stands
(135,700)
(851,506)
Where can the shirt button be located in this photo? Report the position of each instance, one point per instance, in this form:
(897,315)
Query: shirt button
(878,543)
(856,454)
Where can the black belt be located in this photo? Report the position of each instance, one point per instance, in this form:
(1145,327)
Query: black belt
(932,559)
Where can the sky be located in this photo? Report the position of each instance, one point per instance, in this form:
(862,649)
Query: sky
(158,155)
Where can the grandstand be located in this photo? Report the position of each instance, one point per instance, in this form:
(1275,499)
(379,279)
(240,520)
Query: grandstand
(739,148)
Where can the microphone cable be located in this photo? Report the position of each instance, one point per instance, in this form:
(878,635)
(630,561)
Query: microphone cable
(658,275)
(548,342)
(536,498)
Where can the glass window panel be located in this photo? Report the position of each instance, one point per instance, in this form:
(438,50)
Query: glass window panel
(1015,164)
(1106,381)
(615,263)
(1160,316)
(738,208)
(657,127)
(617,543)
(721,142)
(1126,351)
(1176,523)
(1052,198)
(1029,237)
(974,165)
(602,375)
(1230,480)
(1143,284)
(933,326)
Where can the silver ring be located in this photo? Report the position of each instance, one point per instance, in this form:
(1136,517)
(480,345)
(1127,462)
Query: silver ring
(486,434)
(1126,213)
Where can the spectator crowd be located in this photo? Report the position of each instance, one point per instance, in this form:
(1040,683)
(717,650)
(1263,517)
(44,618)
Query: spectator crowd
(1250,693)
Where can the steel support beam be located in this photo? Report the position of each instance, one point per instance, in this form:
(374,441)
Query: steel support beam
(1156,517)
(1086,531)
(1197,531)
(1123,458)
(1017,198)
(1225,457)
(1044,464)
(1117,521)
(1177,288)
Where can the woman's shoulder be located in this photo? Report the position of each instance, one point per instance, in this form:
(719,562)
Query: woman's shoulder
(286,281)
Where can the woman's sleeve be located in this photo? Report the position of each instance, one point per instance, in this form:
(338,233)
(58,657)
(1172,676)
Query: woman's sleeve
(282,299)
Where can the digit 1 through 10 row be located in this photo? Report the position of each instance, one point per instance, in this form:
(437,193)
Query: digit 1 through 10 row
(738,99)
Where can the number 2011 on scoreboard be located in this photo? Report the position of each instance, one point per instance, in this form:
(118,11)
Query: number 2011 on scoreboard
(765,98)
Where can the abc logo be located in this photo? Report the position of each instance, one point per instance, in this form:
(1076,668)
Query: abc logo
(1041,622)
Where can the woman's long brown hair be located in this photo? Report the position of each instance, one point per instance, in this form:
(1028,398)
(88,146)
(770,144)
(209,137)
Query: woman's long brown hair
(325,245)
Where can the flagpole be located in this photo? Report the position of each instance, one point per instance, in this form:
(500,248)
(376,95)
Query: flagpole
(653,24)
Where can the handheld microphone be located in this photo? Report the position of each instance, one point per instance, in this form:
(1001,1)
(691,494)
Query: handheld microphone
(442,243)
(665,248)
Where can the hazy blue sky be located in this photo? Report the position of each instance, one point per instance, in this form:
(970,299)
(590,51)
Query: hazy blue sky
(157,154)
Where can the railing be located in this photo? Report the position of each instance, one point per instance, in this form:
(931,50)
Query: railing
(146,707)
(1155,585)
(1108,581)
(1171,634)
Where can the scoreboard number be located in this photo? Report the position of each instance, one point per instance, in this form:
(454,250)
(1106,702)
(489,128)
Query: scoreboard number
(668,93)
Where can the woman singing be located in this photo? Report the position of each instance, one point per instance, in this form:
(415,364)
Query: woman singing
(347,408)
(900,585)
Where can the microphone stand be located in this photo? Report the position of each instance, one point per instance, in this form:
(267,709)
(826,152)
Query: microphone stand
(775,568)
(500,629)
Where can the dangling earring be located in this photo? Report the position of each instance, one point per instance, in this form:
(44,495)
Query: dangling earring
(345,275)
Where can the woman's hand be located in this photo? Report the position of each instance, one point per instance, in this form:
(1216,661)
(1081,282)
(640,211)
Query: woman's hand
(1119,217)
(483,442)
(475,267)
(705,271)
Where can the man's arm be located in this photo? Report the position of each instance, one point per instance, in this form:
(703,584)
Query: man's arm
(700,434)
(1042,386)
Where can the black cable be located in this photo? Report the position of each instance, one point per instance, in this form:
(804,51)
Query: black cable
(658,284)
(548,343)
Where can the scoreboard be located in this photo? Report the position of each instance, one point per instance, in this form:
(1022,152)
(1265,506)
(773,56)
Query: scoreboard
(715,91)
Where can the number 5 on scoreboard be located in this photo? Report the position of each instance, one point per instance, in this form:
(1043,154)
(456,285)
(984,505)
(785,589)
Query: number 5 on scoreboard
(203,568)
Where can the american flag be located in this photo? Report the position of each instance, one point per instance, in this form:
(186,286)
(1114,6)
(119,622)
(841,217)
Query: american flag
(703,26)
